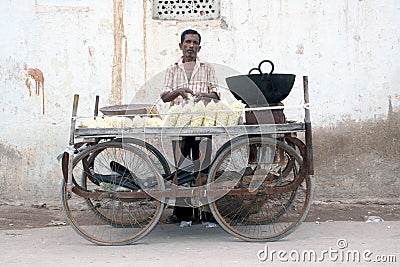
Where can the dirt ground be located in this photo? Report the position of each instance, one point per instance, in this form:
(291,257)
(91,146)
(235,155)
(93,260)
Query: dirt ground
(22,216)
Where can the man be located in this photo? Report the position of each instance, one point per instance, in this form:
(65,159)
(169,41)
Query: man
(189,77)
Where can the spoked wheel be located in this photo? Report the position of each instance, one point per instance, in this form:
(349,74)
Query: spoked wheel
(113,167)
(257,163)
(154,155)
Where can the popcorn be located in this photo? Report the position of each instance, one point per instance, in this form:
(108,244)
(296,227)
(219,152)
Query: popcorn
(105,122)
(190,113)
(198,114)
(172,116)
(138,122)
(153,122)
(211,114)
(222,116)
(185,117)
(237,108)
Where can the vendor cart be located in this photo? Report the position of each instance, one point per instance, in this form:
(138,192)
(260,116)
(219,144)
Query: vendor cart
(258,186)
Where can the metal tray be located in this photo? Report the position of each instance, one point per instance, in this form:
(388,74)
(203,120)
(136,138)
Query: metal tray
(129,109)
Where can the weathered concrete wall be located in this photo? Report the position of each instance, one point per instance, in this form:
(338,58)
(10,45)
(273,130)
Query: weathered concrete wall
(358,160)
(72,46)
(348,48)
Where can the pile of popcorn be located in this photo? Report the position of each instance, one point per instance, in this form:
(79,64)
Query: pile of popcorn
(189,113)
(120,122)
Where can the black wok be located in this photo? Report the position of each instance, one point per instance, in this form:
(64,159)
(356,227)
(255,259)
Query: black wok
(262,88)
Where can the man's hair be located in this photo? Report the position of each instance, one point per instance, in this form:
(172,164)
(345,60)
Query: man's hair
(189,31)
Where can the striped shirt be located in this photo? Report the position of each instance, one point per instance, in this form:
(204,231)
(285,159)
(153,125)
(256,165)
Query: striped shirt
(203,79)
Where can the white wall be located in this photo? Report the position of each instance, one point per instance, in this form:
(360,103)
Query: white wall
(348,48)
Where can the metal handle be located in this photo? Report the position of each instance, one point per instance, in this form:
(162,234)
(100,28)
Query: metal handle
(264,61)
(266,76)
(250,71)
(259,68)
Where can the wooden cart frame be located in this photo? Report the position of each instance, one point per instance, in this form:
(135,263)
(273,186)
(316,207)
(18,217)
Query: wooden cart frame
(116,185)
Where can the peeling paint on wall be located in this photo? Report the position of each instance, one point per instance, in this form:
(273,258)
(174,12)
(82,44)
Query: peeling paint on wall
(300,49)
(37,76)
(91,56)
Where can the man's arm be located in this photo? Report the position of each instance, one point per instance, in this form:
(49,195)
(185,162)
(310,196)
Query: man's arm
(170,91)
(212,84)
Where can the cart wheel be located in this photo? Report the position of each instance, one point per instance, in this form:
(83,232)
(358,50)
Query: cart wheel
(261,216)
(113,221)
(158,161)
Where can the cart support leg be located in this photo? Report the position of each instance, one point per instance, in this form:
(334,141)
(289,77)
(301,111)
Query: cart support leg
(307,121)
(96,107)
(70,149)
(73,120)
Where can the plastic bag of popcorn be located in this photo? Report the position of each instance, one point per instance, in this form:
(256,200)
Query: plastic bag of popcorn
(222,115)
(210,114)
(237,108)
(185,116)
(172,116)
(198,114)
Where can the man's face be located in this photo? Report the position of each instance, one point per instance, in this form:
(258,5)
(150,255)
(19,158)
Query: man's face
(190,47)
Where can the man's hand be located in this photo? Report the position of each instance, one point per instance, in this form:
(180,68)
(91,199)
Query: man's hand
(205,96)
(184,92)
(171,95)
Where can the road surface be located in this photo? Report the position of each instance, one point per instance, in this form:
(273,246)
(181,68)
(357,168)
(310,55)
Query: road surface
(343,243)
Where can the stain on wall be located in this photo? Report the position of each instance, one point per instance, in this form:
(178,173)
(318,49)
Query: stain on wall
(38,79)
(118,61)
(91,59)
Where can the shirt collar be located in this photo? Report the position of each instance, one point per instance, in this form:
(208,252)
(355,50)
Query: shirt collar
(180,61)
